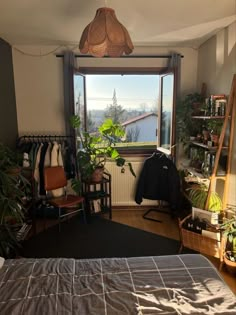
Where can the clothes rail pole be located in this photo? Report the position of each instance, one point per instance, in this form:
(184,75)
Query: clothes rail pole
(44,137)
(130,57)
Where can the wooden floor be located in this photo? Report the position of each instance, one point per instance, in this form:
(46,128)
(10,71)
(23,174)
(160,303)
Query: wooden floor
(168,228)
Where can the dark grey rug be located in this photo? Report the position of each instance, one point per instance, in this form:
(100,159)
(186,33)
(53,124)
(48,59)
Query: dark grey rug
(98,239)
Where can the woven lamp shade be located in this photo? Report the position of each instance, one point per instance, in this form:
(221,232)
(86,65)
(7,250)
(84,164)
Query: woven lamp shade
(105,35)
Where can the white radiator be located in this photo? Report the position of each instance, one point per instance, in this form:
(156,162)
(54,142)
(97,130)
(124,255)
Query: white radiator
(123,185)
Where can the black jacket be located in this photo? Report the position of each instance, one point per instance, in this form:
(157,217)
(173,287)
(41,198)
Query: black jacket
(159,180)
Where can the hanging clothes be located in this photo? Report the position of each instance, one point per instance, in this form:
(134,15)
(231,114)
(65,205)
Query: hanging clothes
(40,151)
(159,180)
(36,166)
(47,160)
(42,190)
(56,160)
(69,160)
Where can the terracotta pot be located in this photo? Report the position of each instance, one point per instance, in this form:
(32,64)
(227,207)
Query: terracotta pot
(97,175)
(205,134)
(215,139)
(230,265)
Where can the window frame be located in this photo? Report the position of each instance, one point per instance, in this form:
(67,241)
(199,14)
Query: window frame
(83,71)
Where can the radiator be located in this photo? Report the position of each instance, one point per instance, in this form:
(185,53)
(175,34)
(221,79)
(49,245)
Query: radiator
(123,185)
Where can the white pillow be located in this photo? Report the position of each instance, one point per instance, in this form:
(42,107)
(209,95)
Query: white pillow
(1,262)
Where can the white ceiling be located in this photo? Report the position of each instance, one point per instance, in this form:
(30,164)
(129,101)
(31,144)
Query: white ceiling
(150,22)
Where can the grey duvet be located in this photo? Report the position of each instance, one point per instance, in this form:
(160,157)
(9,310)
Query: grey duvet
(178,284)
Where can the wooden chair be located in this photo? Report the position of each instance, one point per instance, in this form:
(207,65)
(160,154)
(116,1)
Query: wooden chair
(54,178)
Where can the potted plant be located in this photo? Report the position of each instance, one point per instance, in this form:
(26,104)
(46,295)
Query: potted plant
(215,126)
(229,243)
(13,187)
(96,149)
(185,109)
(198,195)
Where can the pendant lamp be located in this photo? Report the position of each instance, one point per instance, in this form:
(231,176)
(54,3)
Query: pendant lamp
(105,35)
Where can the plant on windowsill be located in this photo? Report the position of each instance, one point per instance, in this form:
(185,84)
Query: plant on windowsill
(96,149)
(13,189)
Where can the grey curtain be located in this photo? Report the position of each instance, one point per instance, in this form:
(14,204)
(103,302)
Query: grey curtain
(68,70)
(68,74)
(175,64)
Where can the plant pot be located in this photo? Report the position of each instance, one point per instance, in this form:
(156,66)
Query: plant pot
(206,135)
(196,106)
(97,175)
(215,139)
(230,265)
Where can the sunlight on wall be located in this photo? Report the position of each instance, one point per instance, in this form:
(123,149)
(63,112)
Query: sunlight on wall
(220,47)
(231,37)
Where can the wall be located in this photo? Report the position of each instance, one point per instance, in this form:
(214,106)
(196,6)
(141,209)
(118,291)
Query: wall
(216,67)
(8,119)
(39,94)
(39,91)
(39,82)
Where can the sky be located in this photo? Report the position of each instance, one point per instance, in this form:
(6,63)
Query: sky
(132,91)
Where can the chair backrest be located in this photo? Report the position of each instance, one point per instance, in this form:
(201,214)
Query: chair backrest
(54,178)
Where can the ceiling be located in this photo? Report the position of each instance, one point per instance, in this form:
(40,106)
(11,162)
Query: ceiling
(187,23)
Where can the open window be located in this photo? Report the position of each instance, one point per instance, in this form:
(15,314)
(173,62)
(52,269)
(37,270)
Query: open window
(142,102)
(166,114)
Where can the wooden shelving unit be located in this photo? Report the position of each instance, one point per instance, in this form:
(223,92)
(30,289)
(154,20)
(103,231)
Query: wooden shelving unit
(98,191)
(196,241)
(229,121)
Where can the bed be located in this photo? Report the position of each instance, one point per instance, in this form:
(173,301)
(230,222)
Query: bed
(178,284)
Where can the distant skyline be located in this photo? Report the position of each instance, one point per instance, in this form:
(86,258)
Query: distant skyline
(132,91)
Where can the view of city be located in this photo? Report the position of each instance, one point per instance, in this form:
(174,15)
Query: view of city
(131,100)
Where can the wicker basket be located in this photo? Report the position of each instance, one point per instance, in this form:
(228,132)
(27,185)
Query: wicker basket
(199,243)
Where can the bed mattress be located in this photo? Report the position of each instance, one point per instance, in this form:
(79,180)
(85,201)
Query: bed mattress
(178,284)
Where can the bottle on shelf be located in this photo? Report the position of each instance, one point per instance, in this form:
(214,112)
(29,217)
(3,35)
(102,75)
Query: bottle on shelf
(206,165)
(212,106)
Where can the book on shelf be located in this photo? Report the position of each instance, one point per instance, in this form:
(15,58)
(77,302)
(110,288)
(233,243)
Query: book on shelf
(218,96)
(96,206)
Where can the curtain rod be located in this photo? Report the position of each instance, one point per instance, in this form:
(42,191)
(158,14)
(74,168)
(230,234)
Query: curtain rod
(132,56)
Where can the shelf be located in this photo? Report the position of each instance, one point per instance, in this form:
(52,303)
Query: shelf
(104,180)
(95,191)
(209,117)
(204,146)
(185,164)
(96,195)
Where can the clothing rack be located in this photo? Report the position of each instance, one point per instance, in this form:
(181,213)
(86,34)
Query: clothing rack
(159,210)
(25,141)
(42,138)
(161,207)
(35,150)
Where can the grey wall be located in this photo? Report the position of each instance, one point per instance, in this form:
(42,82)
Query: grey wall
(8,116)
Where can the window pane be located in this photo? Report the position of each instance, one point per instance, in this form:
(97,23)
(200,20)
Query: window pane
(79,97)
(128,99)
(166,112)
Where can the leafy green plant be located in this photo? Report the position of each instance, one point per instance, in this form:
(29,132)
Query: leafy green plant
(13,188)
(215,126)
(96,149)
(8,242)
(184,122)
(198,196)
(229,236)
